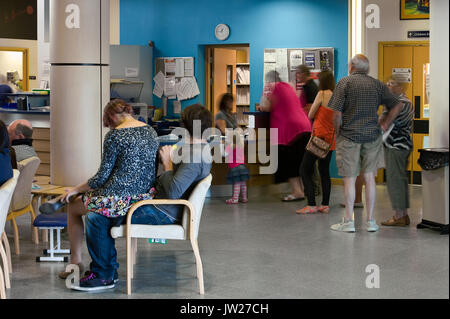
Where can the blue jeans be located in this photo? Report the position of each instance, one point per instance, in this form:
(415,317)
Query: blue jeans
(101,245)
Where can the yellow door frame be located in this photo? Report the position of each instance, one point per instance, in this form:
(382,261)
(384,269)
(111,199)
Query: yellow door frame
(25,55)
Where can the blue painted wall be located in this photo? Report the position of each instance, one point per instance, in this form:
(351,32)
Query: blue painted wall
(184,27)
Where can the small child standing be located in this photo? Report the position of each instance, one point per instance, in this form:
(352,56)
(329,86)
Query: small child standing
(238,173)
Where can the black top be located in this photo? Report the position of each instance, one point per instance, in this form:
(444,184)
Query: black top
(128,162)
(311,89)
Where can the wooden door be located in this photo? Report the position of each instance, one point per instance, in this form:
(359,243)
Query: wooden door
(224,79)
(411,55)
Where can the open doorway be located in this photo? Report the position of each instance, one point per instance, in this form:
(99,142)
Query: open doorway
(227,70)
(14,67)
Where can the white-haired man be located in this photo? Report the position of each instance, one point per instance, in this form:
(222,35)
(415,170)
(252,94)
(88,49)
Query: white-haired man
(359,148)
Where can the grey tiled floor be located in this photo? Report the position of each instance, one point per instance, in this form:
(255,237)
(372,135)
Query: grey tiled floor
(262,249)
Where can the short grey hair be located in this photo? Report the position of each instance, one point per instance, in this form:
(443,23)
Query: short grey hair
(26,131)
(360,63)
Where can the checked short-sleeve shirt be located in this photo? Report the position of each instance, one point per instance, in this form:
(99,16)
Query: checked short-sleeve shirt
(358,97)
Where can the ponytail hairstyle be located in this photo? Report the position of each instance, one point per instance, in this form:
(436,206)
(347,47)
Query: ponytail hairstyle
(112,109)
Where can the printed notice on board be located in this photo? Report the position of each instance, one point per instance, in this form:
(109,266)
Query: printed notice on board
(179,67)
(189,67)
(169,67)
(270,56)
(296,58)
(310,60)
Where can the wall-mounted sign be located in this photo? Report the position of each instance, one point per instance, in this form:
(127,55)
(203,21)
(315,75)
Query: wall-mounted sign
(419,34)
(402,75)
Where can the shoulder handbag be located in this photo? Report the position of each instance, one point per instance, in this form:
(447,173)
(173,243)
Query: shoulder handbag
(318,147)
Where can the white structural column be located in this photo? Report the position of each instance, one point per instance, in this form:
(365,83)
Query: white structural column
(79,56)
(439,71)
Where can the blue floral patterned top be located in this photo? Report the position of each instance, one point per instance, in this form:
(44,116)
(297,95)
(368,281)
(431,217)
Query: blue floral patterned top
(128,163)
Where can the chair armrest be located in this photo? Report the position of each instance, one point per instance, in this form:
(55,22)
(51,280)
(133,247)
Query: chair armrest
(184,202)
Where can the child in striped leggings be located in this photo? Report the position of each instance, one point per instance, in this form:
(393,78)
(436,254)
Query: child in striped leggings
(238,173)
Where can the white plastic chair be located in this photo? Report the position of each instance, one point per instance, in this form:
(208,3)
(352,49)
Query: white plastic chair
(21,200)
(6,193)
(188,230)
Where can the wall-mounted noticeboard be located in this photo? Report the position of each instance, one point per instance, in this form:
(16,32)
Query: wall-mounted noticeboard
(285,61)
(174,78)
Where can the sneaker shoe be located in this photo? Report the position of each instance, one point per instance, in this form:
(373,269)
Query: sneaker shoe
(371,226)
(93,283)
(115,278)
(347,227)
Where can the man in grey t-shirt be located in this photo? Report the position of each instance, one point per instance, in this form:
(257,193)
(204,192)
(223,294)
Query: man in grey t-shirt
(355,102)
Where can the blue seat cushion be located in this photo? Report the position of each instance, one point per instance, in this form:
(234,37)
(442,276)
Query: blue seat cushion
(51,220)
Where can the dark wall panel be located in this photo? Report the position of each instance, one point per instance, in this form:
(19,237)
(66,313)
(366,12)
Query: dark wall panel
(18,19)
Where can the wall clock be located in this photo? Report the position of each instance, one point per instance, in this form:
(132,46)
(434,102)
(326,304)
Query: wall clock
(222,32)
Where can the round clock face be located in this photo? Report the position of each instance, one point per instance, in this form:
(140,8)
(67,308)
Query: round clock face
(222,31)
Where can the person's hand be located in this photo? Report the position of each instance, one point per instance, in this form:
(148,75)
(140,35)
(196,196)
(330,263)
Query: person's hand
(165,155)
(69,194)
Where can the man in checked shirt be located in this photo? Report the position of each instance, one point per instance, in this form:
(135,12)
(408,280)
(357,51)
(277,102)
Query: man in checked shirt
(355,102)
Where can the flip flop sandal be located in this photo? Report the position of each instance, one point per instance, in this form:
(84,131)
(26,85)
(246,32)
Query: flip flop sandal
(291,198)
(307,210)
(324,209)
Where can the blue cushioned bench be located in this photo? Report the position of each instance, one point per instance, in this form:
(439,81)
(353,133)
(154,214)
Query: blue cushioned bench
(53,222)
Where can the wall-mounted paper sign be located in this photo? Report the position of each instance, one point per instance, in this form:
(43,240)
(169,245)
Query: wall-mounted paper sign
(402,75)
(131,72)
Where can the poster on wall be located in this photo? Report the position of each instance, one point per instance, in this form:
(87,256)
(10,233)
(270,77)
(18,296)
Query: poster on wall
(18,19)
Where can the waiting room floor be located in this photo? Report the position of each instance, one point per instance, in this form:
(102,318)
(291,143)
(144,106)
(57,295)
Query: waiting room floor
(262,249)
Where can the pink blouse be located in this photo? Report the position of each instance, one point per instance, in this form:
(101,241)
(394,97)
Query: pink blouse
(287,114)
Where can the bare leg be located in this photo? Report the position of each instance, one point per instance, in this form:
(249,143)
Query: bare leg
(358,188)
(349,193)
(297,187)
(371,194)
(75,228)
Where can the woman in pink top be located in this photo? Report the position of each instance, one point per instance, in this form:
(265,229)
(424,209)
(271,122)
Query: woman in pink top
(238,173)
(294,129)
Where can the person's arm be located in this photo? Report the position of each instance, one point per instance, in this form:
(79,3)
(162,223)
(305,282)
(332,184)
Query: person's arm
(315,106)
(108,162)
(337,121)
(387,119)
(74,191)
(265,106)
(221,125)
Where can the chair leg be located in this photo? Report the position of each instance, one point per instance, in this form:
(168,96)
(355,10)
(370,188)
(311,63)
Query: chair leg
(5,266)
(34,230)
(16,236)
(198,262)
(8,250)
(129,265)
(134,246)
(2,285)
